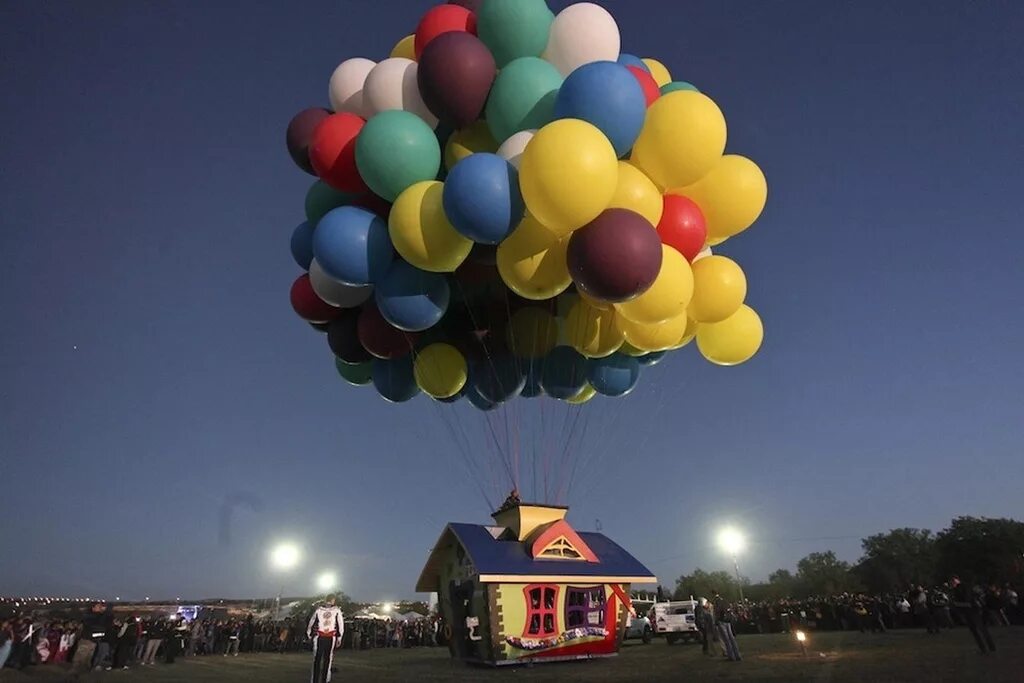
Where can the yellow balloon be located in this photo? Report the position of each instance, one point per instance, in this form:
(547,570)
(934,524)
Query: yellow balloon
(630,350)
(715,241)
(668,297)
(532,261)
(719,289)
(405,48)
(649,338)
(658,70)
(568,174)
(688,335)
(591,331)
(462,143)
(682,139)
(440,370)
(638,193)
(586,393)
(421,232)
(532,332)
(595,303)
(731,196)
(734,340)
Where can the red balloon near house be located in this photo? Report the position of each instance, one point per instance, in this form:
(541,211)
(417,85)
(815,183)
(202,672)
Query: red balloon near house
(332,152)
(682,226)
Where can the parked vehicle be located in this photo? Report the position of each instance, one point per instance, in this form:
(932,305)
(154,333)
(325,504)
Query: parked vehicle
(640,625)
(675,620)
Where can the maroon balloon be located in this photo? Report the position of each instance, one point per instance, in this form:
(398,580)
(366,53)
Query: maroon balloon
(308,305)
(455,75)
(343,337)
(381,338)
(377,205)
(300,132)
(615,257)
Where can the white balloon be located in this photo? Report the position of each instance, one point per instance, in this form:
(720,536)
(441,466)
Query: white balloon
(337,293)
(392,85)
(512,149)
(346,88)
(580,34)
(704,253)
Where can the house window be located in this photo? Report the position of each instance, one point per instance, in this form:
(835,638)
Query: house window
(541,611)
(584,607)
(562,549)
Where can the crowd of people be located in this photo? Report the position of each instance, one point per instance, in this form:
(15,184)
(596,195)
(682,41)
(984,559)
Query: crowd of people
(933,609)
(124,642)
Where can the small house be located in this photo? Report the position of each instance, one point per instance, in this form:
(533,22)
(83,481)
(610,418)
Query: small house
(530,587)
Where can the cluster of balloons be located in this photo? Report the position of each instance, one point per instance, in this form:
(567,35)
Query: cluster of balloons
(509,205)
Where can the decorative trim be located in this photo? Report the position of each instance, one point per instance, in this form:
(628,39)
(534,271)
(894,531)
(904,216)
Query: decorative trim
(557,531)
(562,578)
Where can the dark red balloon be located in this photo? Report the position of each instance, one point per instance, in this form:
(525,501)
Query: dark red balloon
(308,305)
(381,338)
(647,82)
(332,152)
(615,257)
(455,75)
(372,202)
(343,337)
(442,19)
(682,226)
(300,134)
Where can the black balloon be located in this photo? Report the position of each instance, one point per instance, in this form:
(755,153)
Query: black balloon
(300,132)
(343,337)
(455,75)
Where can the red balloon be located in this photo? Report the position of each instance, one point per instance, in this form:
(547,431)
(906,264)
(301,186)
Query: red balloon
(647,82)
(442,19)
(682,226)
(615,257)
(381,338)
(308,305)
(332,152)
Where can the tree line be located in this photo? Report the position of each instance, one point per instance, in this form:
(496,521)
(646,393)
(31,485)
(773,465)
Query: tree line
(978,550)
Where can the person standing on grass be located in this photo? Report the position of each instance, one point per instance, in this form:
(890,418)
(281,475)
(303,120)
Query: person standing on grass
(154,638)
(970,604)
(724,617)
(326,628)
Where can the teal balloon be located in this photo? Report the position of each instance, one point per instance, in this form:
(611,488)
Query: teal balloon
(395,150)
(523,97)
(394,379)
(321,198)
(358,374)
(514,28)
(675,86)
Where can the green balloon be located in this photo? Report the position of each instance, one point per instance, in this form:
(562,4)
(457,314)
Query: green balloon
(395,150)
(523,97)
(514,28)
(677,85)
(321,198)
(359,374)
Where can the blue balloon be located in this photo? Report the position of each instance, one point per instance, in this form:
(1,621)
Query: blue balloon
(412,299)
(615,375)
(652,358)
(394,379)
(608,96)
(632,60)
(498,377)
(302,244)
(532,388)
(482,198)
(479,401)
(352,245)
(564,374)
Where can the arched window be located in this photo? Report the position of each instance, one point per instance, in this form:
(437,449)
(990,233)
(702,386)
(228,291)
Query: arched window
(584,607)
(541,611)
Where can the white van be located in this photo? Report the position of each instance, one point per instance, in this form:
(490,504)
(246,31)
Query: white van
(640,625)
(675,620)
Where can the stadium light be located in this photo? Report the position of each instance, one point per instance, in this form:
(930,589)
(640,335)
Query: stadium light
(326,582)
(387,607)
(284,556)
(732,542)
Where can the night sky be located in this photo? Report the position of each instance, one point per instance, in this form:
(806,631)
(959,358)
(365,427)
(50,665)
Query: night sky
(165,417)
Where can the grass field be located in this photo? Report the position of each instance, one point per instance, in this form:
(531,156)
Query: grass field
(833,658)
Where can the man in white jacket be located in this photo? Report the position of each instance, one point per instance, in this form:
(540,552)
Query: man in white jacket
(325,629)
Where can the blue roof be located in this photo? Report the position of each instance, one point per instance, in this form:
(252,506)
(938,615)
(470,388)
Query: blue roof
(491,556)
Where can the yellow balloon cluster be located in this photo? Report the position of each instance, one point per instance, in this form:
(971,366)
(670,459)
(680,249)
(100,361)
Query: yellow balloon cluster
(532,333)
(682,139)
(462,143)
(636,192)
(668,297)
(719,289)
(592,331)
(731,196)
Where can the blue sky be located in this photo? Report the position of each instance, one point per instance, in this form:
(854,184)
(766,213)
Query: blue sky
(151,370)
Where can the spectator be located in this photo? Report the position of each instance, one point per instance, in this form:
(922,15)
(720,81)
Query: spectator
(969,604)
(724,616)
(154,638)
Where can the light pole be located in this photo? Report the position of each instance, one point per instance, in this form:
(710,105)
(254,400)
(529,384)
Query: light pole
(731,541)
(283,557)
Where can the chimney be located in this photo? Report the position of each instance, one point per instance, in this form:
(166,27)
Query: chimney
(522,519)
